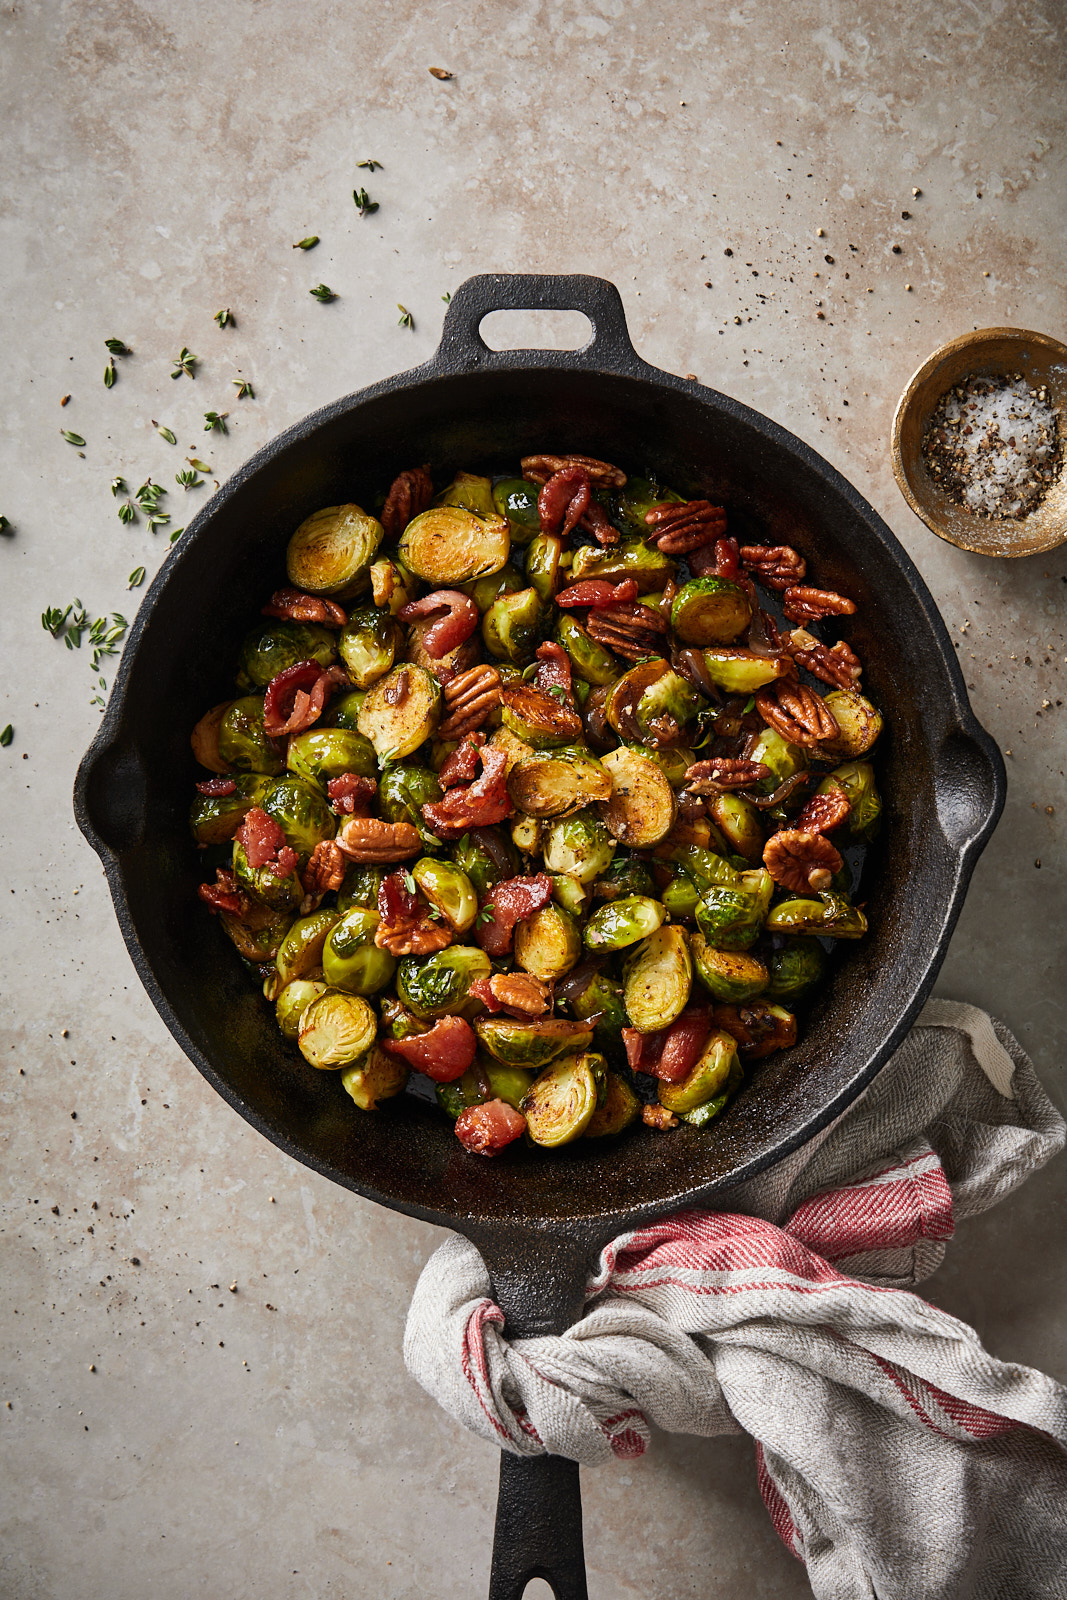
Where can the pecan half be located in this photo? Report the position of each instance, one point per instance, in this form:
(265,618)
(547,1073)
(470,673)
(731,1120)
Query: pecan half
(296,606)
(677,529)
(801,860)
(723,772)
(469,698)
(824,812)
(519,993)
(804,604)
(405,927)
(776,566)
(631,630)
(657,1116)
(409,495)
(538,469)
(796,712)
(323,874)
(835,664)
(370,840)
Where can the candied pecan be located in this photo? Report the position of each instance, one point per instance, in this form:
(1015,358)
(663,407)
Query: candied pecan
(563,500)
(351,793)
(469,698)
(323,874)
(370,840)
(631,630)
(506,904)
(487,1128)
(723,772)
(444,1052)
(677,529)
(462,765)
(453,617)
(554,672)
(476,806)
(796,712)
(835,664)
(296,606)
(804,604)
(538,469)
(801,860)
(295,698)
(776,566)
(657,1116)
(409,495)
(215,788)
(824,812)
(405,927)
(518,993)
(223,894)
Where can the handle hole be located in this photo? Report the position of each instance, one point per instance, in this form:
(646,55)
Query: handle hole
(538,1589)
(536,330)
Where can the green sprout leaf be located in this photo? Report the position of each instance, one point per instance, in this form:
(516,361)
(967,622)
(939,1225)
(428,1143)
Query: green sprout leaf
(446,297)
(486,916)
(750,705)
(110,375)
(116,347)
(364,204)
(164,432)
(225,318)
(323,293)
(7,736)
(244,389)
(405,320)
(371,166)
(185,362)
(136,578)
(215,421)
(53,619)
(73,438)
(149,495)
(158,519)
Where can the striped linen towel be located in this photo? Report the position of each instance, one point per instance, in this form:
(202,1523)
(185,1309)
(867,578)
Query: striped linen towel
(896,1457)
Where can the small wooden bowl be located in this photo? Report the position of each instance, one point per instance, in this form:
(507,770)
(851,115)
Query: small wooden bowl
(1042,361)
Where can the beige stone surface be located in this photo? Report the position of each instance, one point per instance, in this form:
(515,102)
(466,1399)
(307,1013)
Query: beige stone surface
(162,1434)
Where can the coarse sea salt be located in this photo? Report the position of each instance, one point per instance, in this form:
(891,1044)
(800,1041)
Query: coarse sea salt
(994,445)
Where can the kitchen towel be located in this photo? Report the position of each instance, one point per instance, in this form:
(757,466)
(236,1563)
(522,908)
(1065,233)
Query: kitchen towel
(896,1457)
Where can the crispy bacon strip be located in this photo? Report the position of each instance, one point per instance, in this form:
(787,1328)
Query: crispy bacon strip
(509,903)
(554,672)
(295,698)
(350,793)
(563,500)
(223,894)
(261,836)
(454,617)
(216,788)
(487,1128)
(462,764)
(444,1053)
(481,803)
(296,606)
(596,592)
(683,1045)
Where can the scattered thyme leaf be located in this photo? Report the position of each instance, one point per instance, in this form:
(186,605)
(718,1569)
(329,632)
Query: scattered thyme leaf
(486,916)
(225,318)
(53,619)
(110,375)
(164,432)
(6,736)
(441,72)
(215,422)
(405,320)
(371,166)
(750,705)
(409,883)
(307,244)
(127,511)
(323,293)
(244,389)
(185,362)
(119,486)
(116,347)
(176,535)
(201,466)
(558,691)
(158,519)
(447,297)
(136,578)
(188,480)
(4,524)
(364,204)
(149,495)
(73,438)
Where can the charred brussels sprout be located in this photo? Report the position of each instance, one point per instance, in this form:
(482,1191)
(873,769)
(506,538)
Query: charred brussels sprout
(829,917)
(350,958)
(331,553)
(621,923)
(589,660)
(783,758)
(708,611)
(336,1030)
(324,753)
(257,936)
(856,778)
(214,819)
(438,985)
(516,499)
(650,569)
(368,645)
(401,712)
(379,1076)
(619,1109)
(293,1001)
(729,917)
(449,891)
(273,646)
(542,566)
(343,711)
(708,1110)
(483,591)
(470,1090)
(486,857)
(262,885)
(530,1044)
(300,951)
(242,743)
(658,976)
(626,874)
(558,783)
(793,970)
(561,1100)
(450,544)
(738,821)
(402,793)
(471,492)
(651,703)
(641,809)
(592,995)
(511,627)
(706,1079)
(741,671)
(858,722)
(729,976)
(548,943)
(303,814)
(360,887)
(704,867)
(580,846)
(638,497)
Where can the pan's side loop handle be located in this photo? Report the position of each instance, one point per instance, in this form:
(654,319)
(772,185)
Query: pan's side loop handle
(462,346)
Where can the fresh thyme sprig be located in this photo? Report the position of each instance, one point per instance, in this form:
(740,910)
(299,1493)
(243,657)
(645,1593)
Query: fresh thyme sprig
(215,422)
(188,479)
(405,320)
(225,318)
(127,511)
(307,244)
(149,495)
(371,166)
(119,486)
(323,293)
(364,204)
(244,389)
(185,363)
(116,347)
(136,578)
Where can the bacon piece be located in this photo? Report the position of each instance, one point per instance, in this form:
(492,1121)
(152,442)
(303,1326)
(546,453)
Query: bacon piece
(554,672)
(683,1045)
(223,894)
(443,1053)
(350,793)
(215,788)
(454,618)
(643,1049)
(262,838)
(596,592)
(295,698)
(462,764)
(406,928)
(563,500)
(409,494)
(296,606)
(487,1128)
(508,903)
(481,803)
(595,520)
(721,560)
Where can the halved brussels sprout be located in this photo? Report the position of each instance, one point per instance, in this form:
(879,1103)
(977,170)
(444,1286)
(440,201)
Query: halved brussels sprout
(300,951)
(783,758)
(392,586)
(794,969)
(537,719)
(533,1043)
(331,552)
(590,661)
(336,1030)
(651,702)
(708,1110)
(379,1076)
(472,492)
(657,979)
(439,985)
(450,544)
(709,611)
(728,975)
(483,591)
(350,958)
(738,821)
(402,793)
(592,995)
(642,809)
(706,1079)
(759,883)
(360,887)
(401,712)
(673,761)
(639,496)
(303,813)
(578,845)
(257,936)
(449,891)
(214,819)
(621,1107)
(526,833)
(514,748)
(472,1089)
(263,886)
(324,753)
(829,917)
(680,897)
(511,627)
(858,721)
(650,569)
(343,711)
(487,857)
(856,778)
(243,745)
(507,1083)
(554,785)
(560,1102)
(622,922)
(272,646)
(368,645)
(742,671)
(626,874)
(293,1001)
(729,917)
(572,895)
(548,943)
(705,867)
(516,499)
(205,738)
(542,566)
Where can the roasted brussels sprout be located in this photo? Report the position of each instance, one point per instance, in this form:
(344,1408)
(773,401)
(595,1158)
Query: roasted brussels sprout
(204,738)
(379,1076)
(856,778)
(548,943)
(680,897)
(293,1001)
(450,544)
(336,1030)
(728,975)
(300,951)
(572,895)
(263,886)
(516,749)
(511,627)
(343,711)
(331,553)
(350,958)
(401,712)
(829,917)
(657,979)
(558,782)
(858,721)
(642,809)
(651,703)
(449,891)
(729,917)
(542,566)
(392,585)
(486,857)
(470,491)
(592,995)
(620,923)
(368,645)
(530,1044)
(472,1089)
(650,570)
(537,720)
(439,985)
(302,812)
(706,1079)
(275,645)
(560,1102)
(516,499)
(705,867)
(708,611)
(793,970)
(783,758)
(257,936)
(360,887)
(738,821)
(402,793)
(324,753)
(483,591)
(578,845)
(741,671)
(214,819)
(638,497)
(242,743)
(526,833)
(620,1108)
(626,874)
(589,660)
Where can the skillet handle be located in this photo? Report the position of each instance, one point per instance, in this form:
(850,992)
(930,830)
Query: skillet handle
(462,346)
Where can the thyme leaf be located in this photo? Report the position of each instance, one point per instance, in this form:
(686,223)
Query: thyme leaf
(323,293)
(4,524)
(73,438)
(307,244)
(225,318)
(201,466)
(447,297)
(136,578)
(7,736)
(116,347)
(244,389)
(188,479)
(110,375)
(364,204)
(185,362)
(215,422)
(164,432)
(371,166)
(176,535)
(405,320)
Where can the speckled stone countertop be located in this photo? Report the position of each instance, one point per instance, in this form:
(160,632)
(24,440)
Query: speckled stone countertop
(202,1387)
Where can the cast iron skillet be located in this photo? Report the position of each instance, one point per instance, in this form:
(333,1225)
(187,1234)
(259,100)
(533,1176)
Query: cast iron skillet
(537,1218)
